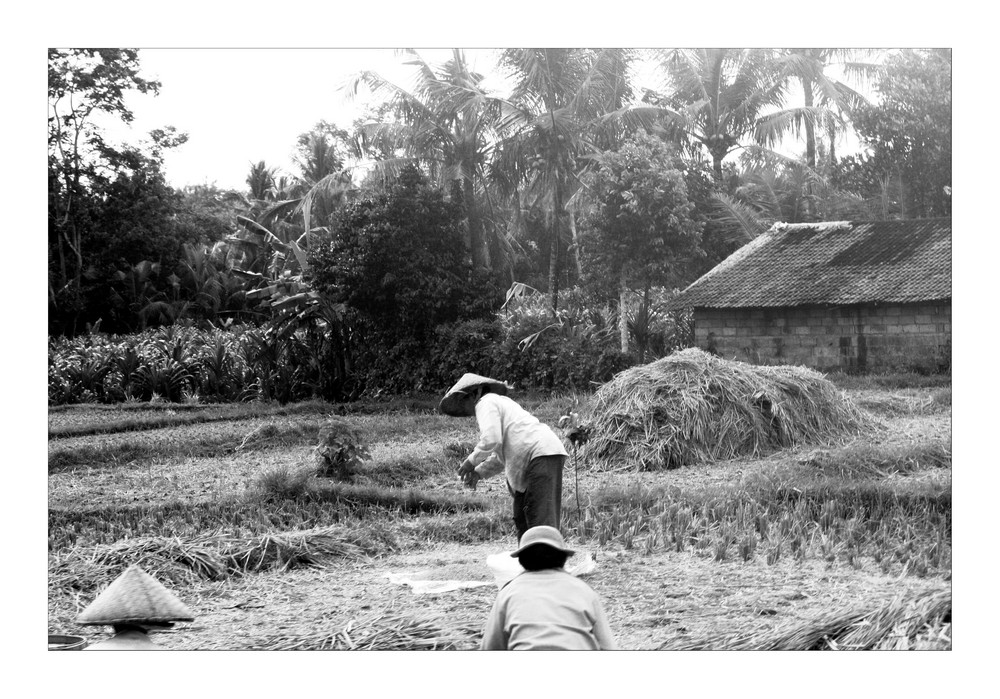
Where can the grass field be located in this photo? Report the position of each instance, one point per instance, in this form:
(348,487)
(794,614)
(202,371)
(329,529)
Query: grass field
(836,545)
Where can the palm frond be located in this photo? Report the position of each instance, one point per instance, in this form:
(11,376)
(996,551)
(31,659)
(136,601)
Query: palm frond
(741,220)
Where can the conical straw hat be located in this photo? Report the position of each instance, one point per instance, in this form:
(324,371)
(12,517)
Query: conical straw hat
(451,404)
(135,596)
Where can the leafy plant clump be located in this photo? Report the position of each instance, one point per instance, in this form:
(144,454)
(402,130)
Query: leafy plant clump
(341,449)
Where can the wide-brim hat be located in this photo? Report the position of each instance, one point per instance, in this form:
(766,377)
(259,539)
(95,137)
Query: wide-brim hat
(135,597)
(542,535)
(452,403)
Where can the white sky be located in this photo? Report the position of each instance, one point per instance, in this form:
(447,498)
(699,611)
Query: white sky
(240,106)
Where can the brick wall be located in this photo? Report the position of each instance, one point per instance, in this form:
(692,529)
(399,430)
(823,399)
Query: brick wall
(862,338)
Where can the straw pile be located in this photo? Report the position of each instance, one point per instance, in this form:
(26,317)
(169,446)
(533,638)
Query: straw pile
(922,622)
(378,632)
(692,407)
(183,561)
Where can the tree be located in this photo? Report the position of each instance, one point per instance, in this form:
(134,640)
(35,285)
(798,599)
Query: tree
(81,84)
(715,98)
(397,262)
(563,102)
(640,230)
(908,136)
(442,123)
(828,103)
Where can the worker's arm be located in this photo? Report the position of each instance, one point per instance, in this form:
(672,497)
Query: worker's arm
(485,457)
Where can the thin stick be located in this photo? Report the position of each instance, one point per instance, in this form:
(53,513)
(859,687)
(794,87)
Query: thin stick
(576,475)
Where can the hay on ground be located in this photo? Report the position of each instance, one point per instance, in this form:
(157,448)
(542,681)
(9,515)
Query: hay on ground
(211,557)
(379,632)
(921,622)
(692,407)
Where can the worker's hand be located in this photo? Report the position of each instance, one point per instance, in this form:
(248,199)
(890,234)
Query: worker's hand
(471,479)
(464,468)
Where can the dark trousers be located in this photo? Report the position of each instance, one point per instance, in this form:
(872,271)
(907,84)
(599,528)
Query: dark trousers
(541,501)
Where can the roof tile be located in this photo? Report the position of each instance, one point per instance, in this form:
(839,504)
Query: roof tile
(836,262)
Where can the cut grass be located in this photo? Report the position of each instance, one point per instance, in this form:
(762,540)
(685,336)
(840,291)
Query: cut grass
(211,557)
(873,460)
(171,415)
(220,440)
(392,631)
(257,512)
(922,622)
(890,381)
(206,439)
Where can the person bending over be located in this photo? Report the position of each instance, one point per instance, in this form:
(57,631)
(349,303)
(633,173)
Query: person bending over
(511,440)
(546,608)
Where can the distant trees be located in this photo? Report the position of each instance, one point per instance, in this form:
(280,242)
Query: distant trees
(82,83)
(639,231)
(443,124)
(907,171)
(397,261)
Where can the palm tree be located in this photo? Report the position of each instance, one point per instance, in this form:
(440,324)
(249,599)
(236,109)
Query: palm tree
(260,180)
(715,97)
(566,104)
(828,103)
(445,123)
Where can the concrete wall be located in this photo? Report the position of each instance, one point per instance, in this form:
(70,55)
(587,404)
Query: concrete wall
(857,338)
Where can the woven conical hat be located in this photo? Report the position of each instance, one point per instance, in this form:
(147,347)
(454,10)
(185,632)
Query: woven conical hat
(135,596)
(451,404)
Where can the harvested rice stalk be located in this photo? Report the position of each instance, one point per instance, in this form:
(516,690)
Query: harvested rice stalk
(184,561)
(379,632)
(693,407)
(922,621)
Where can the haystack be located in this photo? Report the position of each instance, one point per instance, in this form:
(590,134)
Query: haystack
(692,407)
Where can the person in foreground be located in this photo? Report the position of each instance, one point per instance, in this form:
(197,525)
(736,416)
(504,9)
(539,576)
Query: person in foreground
(514,441)
(546,608)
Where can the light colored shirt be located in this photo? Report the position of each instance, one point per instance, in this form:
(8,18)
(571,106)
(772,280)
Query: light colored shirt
(126,640)
(547,610)
(509,438)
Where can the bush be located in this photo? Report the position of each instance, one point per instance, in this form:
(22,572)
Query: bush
(398,261)
(469,345)
(568,350)
(341,450)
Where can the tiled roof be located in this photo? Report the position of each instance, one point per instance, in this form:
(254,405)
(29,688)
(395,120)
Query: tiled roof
(831,263)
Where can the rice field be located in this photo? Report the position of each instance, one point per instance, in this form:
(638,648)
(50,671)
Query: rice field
(823,542)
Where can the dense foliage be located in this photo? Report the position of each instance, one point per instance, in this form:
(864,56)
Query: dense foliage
(906,171)
(397,261)
(587,201)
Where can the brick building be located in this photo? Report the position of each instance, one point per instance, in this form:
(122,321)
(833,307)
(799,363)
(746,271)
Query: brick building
(852,296)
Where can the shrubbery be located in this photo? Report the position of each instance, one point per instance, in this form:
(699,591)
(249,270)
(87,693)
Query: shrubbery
(524,344)
(181,363)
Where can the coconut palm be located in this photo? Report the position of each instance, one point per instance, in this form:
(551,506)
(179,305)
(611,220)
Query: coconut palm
(714,98)
(260,180)
(444,122)
(828,102)
(565,105)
